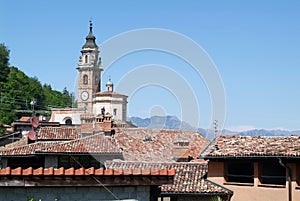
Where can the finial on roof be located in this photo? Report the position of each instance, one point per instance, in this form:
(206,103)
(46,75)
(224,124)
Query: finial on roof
(109,85)
(91,24)
(90,39)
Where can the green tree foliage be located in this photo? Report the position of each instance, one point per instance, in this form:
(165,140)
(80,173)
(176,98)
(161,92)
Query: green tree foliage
(4,62)
(17,90)
(55,98)
(22,89)
(2,130)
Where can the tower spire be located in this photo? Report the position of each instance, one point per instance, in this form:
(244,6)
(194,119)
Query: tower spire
(109,85)
(90,39)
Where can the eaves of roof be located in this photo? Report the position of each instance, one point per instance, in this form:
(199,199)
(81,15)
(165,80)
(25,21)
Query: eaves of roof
(84,172)
(225,191)
(249,157)
(77,153)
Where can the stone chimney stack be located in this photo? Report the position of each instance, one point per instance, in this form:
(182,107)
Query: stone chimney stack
(91,124)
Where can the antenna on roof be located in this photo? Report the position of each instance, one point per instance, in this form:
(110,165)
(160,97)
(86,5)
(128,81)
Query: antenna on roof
(216,128)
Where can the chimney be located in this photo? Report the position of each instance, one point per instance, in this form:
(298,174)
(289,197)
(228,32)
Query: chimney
(87,124)
(91,124)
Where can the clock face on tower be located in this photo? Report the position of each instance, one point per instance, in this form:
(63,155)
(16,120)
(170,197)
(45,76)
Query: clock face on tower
(84,95)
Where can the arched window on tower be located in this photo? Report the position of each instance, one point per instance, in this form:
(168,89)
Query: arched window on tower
(68,122)
(85,79)
(86,58)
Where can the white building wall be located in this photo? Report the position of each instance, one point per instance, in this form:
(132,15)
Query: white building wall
(61,115)
(61,118)
(109,107)
(110,104)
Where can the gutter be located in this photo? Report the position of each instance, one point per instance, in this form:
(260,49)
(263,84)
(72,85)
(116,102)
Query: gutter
(289,177)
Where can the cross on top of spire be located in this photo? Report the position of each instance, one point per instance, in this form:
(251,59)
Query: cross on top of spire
(91,24)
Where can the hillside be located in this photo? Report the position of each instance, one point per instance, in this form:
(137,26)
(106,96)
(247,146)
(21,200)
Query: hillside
(21,94)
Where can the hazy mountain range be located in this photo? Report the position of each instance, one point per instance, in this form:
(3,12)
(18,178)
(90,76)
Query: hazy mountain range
(172,122)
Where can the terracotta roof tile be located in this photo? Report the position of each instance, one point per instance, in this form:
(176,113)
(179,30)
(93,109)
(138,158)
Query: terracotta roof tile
(189,177)
(158,145)
(20,142)
(111,93)
(28,149)
(253,146)
(94,144)
(58,133)
(78,172)
(25,118)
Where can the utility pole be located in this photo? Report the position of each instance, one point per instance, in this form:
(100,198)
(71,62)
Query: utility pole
(32,103)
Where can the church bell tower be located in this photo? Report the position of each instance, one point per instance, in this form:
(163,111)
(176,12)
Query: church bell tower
(89,68)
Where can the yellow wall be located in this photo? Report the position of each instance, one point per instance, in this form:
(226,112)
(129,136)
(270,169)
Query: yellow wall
(255,192)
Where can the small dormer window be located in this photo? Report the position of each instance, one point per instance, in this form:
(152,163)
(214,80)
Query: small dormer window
(85,79)
(86,58)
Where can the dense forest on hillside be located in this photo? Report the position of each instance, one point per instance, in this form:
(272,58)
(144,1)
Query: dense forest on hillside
(19,93)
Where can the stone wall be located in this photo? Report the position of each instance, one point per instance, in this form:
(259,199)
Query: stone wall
(139,193)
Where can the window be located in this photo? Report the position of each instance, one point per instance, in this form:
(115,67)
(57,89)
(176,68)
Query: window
(68,122)
(181,143)
(115,111)
(85,79)
(298,173)
(271,172)
(240,171)
(86,58)
(76,161)
(25,162)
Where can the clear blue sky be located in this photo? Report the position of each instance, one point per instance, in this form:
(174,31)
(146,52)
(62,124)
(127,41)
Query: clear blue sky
(254,44)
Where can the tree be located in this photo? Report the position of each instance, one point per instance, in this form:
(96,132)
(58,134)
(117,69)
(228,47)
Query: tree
(4,62)
(17,90)
(57,99)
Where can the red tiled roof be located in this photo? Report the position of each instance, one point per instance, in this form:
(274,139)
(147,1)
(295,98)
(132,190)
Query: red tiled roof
(83,172)
(94,144)
(58,133)
(188,179)
(20,142)
(28,149)
(25,118)
(111,93)
(253,146)
(157,145)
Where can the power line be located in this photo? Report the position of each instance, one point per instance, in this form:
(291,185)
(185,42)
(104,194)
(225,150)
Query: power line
(97,180)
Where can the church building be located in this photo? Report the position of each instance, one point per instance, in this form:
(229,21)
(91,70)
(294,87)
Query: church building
(91,100)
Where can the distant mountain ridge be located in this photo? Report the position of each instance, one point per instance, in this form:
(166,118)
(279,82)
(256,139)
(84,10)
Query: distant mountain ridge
(172,122)
(162,122)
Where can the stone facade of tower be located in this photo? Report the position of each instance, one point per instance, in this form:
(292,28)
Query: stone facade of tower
(89,68)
